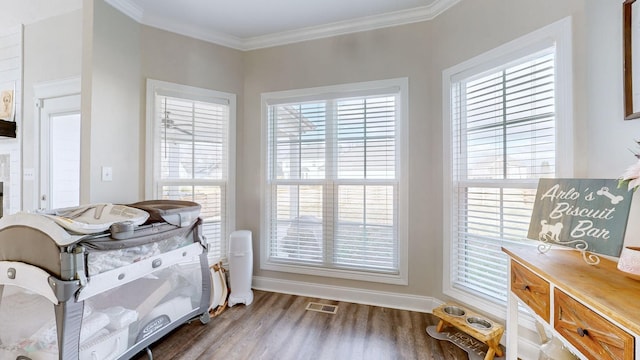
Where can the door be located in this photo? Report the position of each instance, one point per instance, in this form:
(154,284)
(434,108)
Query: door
(60,152)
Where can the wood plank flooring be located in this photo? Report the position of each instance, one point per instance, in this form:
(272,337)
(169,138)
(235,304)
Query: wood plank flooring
(277,326)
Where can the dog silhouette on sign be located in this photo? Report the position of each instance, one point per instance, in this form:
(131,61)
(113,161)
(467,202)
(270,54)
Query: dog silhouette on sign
(553,230)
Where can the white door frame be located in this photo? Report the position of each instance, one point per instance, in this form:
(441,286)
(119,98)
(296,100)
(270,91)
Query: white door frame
(42,92)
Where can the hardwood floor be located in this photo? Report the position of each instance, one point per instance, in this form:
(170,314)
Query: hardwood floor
(277,326)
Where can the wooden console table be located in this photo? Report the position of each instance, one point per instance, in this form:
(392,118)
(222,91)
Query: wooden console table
(594,309)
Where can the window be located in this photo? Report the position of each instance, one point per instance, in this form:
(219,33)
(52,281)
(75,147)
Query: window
(192,131)
(335,182)
(506,124)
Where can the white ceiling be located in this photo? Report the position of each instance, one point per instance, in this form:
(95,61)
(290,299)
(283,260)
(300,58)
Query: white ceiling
(251,24)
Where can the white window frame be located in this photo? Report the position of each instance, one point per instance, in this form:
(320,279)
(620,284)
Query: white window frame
(344,90)
(558,33)
(152,153)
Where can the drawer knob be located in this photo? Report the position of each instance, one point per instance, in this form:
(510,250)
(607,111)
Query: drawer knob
(525,287)
(582,332)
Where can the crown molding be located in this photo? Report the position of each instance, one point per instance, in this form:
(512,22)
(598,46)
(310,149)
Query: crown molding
(440,6)
(196,32)
(396,18)
(128,8)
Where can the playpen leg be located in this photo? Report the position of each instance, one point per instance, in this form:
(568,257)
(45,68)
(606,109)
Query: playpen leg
(149,354)
(69,321)
(1,290)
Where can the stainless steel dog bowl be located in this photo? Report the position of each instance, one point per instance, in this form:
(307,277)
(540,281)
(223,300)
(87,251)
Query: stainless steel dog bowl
(454,311)
(479,323)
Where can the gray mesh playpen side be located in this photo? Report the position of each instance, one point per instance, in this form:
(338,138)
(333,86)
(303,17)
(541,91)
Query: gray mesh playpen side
(169,261)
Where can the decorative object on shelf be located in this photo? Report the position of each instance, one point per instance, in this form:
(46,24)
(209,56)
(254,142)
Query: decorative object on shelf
(7,113)
(589,215)
(629,262)
(7,105)
(631,177)
(7,128)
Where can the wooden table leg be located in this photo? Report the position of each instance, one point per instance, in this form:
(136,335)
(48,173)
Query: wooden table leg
(441,325)
(494,344)
(490,354)
(489,336)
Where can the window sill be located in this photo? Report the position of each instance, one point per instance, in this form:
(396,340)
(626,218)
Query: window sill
(395,279)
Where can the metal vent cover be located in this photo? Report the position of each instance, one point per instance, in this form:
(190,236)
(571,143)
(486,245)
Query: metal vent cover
(323,308)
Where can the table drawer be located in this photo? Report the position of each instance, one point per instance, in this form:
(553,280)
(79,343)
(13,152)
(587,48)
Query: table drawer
(593,335)
(531,289)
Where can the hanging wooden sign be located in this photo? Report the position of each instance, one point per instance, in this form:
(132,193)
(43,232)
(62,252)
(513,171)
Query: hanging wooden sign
(587,214)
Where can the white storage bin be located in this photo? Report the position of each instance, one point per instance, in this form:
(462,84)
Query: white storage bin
(240,267)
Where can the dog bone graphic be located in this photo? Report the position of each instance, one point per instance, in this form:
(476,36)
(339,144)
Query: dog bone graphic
(614,198)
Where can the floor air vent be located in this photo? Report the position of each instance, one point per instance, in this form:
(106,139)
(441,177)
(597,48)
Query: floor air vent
(323,308)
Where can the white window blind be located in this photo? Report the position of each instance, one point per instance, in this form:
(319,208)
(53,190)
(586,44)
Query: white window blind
(503,141)
(332,183)
(193,162)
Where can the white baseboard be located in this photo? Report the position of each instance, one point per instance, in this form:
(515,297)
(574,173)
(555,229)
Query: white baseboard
(423,304)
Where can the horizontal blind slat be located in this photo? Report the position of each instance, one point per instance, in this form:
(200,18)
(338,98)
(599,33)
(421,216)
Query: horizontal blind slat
(503,134)
(193,138)
(348,146)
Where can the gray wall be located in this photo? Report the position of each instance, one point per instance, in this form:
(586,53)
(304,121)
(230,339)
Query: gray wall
(607,138)
(114,56)
(470,29)
(402,51)
(46,57)
(178,59)
(421,52)
(102,46)
(112,126)
(175,58)
(120,54)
